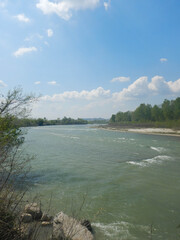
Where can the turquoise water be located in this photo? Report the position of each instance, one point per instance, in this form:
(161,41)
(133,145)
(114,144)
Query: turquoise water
(128,183)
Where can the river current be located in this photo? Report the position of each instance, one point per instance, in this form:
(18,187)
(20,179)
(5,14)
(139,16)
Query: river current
(126,184)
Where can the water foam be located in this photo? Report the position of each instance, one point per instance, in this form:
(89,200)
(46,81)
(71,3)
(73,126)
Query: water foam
(74,137)
(146,162)
(141,164)
(120,230)
(64,136)
(158,149)
(117,230)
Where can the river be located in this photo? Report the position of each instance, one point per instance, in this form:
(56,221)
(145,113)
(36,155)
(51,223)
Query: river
(127,184)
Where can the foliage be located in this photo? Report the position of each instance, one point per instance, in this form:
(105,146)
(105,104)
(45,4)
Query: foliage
(168,112)
(13,165)
(28,122)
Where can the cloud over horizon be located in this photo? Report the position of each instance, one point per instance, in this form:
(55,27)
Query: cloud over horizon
(102,102)
(87,95)
(140,88)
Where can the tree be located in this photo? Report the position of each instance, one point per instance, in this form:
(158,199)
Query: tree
(167,110)
(176,108)
(119,117)
(142,113)
(40,121)
(112,119)
(157,114)
(13,165)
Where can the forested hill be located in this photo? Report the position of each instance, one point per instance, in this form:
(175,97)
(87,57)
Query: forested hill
(168,111)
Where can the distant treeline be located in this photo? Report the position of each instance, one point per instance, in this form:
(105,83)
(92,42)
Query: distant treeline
(168,111)
(28,122)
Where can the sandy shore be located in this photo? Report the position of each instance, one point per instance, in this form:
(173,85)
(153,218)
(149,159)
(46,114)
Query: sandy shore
(157,131)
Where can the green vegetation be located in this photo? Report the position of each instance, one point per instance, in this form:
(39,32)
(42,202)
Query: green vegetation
(30,122)
(166,115)
(27,122)
(13,165)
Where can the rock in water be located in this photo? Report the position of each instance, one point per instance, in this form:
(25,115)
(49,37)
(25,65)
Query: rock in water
(34,210)
(68,227)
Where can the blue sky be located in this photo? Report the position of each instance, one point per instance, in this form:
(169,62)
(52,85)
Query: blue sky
(90,58)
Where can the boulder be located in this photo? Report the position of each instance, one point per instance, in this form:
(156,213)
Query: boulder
(26,218)
(34,210)
(65,227)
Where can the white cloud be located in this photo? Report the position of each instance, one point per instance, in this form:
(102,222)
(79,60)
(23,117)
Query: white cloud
(87,95)
(141,89)
(52,83)
(64,8)
(159,85)
(22,18)
(121,79)
(107,5)
(2,84)
(174,86)
(23,50)
(162,60)
(37,83)
(50,32)
(138,88)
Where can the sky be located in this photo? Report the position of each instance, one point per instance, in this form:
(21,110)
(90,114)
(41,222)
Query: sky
(90,58)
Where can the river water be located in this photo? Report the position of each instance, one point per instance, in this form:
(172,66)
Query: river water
(127,184)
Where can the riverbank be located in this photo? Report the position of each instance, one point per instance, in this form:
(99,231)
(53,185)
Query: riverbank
(142,130)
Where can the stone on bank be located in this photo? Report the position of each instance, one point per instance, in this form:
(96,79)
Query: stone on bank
(68,227)
(58,228)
